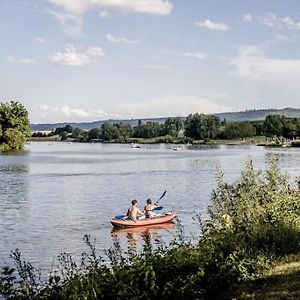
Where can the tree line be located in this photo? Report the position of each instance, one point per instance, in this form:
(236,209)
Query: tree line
(195,127)
(15,129)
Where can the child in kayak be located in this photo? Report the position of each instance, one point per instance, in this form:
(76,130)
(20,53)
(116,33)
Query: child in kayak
(133,212)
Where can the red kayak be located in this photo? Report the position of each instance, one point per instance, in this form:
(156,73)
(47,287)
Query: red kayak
(168,217)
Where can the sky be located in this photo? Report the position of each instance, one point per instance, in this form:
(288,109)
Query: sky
(87,60)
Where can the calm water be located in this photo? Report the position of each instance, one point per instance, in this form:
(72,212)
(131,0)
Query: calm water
(53,194)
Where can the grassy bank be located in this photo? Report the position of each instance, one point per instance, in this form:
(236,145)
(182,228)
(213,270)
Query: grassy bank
(253,223)
(170,140)
(282,281)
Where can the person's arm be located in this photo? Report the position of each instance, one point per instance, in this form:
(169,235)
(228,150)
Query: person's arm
(154,206)
(139,212)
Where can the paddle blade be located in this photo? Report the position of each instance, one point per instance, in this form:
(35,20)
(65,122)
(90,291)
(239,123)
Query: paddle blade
(164,193)
(157,208)
(120,217)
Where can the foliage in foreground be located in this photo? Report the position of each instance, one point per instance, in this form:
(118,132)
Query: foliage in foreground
(14,126)
(252,222)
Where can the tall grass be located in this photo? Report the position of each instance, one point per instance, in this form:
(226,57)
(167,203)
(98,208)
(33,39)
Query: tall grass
(252,221)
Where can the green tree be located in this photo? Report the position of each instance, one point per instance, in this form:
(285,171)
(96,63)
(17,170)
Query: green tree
(274,125)
(63,135)
(68,128)
(14,126)
(202,126)
(125,130)
(76,133)
(148,130)
(291,128)
(109,132)
(172,126)
(234,130)
(258,125)
(94,134)
(60,130)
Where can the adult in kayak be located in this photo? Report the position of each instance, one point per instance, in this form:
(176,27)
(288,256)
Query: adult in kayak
(148,210)
(133,212)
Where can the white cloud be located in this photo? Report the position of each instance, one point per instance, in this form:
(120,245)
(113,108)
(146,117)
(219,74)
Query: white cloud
(72,57)
(25,61)
(95,51)
(104,14)
(118,39)
(64,113)
(71,24)
(198,55)
(247,18)
(170,105)
(279,74)
(40,40)
(272,20)
(158,7)
(212,25)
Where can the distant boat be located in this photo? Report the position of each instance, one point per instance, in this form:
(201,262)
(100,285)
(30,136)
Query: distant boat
(178,148)
(135,146)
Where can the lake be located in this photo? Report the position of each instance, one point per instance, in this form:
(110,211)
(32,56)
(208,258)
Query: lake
(53,194)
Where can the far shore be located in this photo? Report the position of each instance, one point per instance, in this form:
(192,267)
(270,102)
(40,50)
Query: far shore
(255,141)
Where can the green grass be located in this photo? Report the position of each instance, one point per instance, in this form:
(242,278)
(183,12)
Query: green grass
(246,141)
(53,138)
(281,281)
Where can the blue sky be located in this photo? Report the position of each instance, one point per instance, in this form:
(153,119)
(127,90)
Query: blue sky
(84,60)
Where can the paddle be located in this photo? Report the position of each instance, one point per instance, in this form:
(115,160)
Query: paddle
(120,217)
(164,193)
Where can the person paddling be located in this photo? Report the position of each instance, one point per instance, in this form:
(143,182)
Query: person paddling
(133,212)
(148,210)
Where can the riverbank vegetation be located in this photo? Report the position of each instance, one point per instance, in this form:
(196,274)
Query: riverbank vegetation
(253,223)
(14,126)
(196,128)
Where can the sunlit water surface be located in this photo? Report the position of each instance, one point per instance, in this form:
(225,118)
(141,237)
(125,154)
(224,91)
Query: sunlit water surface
(55,193)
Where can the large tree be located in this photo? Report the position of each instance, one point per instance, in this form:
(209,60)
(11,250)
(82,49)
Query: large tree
(172,126)
(233,130)
(200,126)
(274,125)
(14,126)
(109,132)
(148,130)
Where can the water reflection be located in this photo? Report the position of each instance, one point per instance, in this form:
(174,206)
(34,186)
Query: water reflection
(13,186)
(13,201)
(144,235)
(8,169)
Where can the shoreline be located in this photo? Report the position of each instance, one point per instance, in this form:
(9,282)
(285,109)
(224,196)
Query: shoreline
(258,141)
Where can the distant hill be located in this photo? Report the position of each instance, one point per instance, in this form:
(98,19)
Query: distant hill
(259,114)
(248,115)
(90,125)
